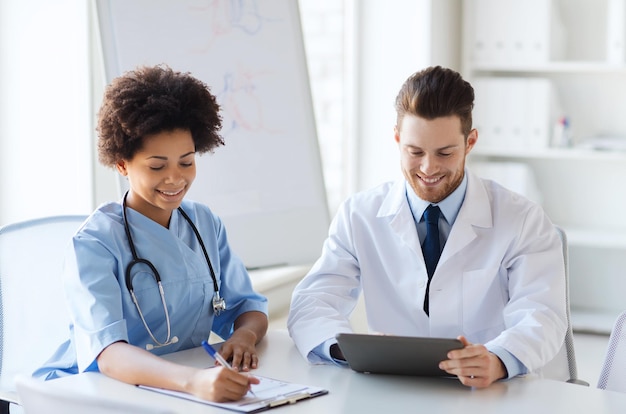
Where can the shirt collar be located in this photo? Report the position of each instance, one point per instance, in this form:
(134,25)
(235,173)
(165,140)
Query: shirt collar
(449,206)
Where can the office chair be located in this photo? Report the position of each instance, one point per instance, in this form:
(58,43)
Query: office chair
(613,374)
(37,397)
(563,366)
(33,316)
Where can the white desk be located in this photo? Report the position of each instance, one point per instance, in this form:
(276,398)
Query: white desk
(352,392)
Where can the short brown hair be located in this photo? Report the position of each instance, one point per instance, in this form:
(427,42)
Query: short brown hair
(436,92)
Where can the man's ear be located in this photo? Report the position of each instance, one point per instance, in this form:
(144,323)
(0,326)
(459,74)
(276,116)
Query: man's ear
(121,167)
(471,140)
(396,134)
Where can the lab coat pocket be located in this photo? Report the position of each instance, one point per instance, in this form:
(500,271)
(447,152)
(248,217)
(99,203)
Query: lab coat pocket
(483,304)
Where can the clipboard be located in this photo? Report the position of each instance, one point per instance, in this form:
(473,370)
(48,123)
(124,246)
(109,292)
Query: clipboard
(269,393)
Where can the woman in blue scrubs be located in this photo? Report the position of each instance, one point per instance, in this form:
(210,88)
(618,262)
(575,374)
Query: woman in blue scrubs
(154,273)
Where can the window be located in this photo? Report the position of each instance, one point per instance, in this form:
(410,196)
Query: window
(47,149)
(45,114)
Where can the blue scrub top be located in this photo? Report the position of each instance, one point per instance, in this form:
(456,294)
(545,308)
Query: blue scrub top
(101,307)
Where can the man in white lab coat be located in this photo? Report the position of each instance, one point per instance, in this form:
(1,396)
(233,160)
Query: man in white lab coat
(499,284)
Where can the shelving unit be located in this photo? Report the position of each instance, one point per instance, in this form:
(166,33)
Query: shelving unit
(582,189)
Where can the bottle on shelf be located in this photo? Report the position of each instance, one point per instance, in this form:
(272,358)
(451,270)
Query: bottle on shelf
(562,135)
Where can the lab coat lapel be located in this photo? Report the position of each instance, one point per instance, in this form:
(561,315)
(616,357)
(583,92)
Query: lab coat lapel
(395,208)
(475,212)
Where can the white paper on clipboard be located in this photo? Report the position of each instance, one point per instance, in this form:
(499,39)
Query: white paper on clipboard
(269,393)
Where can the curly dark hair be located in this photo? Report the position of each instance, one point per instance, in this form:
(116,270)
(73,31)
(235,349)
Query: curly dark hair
(149,100)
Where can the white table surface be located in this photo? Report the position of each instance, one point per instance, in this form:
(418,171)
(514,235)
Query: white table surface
(352,392)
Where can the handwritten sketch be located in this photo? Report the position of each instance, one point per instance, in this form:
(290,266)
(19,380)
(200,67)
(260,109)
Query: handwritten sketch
(240,97)
(224,16)
(242,106)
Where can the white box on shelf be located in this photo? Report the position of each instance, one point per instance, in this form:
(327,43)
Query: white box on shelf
(482,121)
(511,98)
(514,113)
(488,32)
(542,109)
(498,114)
(616,31)
(515,31)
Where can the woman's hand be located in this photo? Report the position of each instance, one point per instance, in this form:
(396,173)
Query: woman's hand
(135,365)
(250,327)
(241,350)
(220,384)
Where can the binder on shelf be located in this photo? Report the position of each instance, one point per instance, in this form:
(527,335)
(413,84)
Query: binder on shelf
(542,109)
(488,32)
(513,31)
(616,31)
(512,97)
(482,108)
(514,113)
(490,116)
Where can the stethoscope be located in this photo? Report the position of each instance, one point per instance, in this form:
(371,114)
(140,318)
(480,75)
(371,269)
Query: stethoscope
(219,304)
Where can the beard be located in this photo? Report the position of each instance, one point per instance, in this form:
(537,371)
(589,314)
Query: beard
(436,193)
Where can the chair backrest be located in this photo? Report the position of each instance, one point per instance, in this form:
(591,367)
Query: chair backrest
(613,374)
(33,315)
(40,397)
(563,366)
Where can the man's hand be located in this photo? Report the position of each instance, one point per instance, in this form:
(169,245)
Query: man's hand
(474,365)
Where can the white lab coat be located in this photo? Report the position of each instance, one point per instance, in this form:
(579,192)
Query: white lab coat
(500,280)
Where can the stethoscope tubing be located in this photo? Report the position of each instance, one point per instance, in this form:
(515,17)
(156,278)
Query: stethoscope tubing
(218,303)
(136,259)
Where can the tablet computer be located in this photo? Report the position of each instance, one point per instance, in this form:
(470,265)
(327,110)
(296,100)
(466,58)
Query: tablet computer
(400,355)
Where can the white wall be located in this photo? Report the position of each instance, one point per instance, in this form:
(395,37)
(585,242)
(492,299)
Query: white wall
(45,144)
(325,24)
(394,38)
(46,110)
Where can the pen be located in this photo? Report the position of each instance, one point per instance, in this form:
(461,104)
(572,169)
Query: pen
(219,358)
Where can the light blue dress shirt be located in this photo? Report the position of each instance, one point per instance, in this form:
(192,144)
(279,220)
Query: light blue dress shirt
(100,304)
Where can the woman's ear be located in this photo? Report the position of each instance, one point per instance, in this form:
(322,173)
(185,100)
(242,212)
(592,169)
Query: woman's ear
(121,167)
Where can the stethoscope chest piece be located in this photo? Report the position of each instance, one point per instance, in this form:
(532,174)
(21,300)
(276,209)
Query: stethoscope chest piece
(219,304)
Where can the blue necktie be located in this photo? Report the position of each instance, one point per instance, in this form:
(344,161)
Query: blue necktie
(431,247)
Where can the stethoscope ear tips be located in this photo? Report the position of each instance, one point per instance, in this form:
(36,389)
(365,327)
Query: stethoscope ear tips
(150,347)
